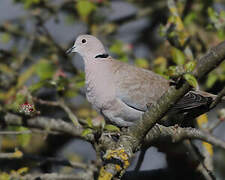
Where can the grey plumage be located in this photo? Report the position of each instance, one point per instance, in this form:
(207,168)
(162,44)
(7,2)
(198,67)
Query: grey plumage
(121,92)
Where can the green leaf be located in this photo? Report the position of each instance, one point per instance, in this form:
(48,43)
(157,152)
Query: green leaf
(175,71)
(191,80)
(141,62)
(23,139)
(45,69)
(212,14)
(85,7)
(178,56)
(116,48)
(22,170)
(190,18)
(222,77)
(172,71)
(62,84)
(162,30)
(221,34)
(5,176)
(190,66)
(36,86)
(124,58)
(86,132)
(29,3)
(211,80)
(160,65)
(89,122)
(5,37)
(80,84)
(222,66)
(222,14)
(19,100)
(71,93)
(111,128)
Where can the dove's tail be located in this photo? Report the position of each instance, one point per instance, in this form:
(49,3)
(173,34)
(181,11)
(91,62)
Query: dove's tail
(206,94)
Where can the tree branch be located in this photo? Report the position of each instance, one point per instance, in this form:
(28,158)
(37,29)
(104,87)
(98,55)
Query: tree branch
(218,98)
(54,160)
(47,124)
(56,176)
(61,104)
(131,141)
(177,134)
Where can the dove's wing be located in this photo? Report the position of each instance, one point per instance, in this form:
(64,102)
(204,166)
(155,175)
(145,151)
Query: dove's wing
(191,100)
(137,87)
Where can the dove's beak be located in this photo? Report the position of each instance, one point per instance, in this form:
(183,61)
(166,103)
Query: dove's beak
(72,49)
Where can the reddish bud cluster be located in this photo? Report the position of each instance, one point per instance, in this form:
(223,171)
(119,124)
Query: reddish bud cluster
(26,108)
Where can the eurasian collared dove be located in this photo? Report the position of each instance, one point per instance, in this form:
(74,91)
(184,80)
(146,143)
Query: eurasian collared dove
(122,92)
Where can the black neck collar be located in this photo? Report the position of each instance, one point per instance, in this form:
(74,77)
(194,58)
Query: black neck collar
(102,56)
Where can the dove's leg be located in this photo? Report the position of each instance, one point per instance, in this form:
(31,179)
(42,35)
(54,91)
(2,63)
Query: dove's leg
(120,114)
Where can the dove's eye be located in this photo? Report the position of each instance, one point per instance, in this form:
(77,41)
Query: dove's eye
(83,41)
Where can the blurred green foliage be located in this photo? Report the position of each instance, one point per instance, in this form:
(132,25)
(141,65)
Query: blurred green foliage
(45,69)
(217,22)
(178,56)
(118,48)
(142,62)
(85,8)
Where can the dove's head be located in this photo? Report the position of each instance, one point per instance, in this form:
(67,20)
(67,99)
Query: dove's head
(87,46)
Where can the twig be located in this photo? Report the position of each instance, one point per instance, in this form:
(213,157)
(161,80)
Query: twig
(37,131)
(44,102)
(57,161)
(214,125)
(140,159)
(218,98)
(15,132)
(56,176)
(49,36)
(61,104)
(70,113)
(45,123)
(42,159)
(208,175)
(177,134)
(9,156)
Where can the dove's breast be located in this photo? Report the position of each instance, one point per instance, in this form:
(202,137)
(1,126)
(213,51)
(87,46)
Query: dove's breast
(100,89)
